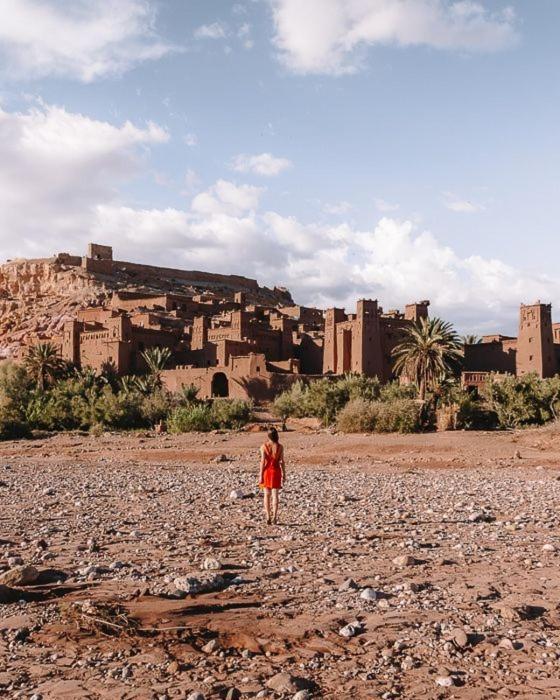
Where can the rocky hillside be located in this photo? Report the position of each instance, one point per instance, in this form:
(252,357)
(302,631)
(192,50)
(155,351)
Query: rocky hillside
(38,296)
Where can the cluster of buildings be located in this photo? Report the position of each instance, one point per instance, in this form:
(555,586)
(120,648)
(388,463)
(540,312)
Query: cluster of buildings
(536,349)
(229,345)
(223,341)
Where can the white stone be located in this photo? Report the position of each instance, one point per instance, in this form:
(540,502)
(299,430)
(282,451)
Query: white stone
(369,594)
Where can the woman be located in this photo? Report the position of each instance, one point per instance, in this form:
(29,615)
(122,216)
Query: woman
(273,474)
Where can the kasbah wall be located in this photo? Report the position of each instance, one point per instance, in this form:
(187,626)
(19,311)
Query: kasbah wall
(226,343)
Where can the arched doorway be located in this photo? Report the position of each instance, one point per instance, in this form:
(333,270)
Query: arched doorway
(220,385)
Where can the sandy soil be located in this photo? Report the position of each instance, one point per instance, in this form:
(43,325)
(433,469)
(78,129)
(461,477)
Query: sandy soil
(445,531)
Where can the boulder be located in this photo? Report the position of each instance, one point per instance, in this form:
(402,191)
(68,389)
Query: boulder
(20,576)
(405,560)
(286,683)
(200,583)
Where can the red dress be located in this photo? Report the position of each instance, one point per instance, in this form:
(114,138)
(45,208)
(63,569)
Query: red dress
(272,473)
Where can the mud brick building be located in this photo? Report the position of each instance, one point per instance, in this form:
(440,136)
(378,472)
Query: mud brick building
(363,342)
(536,349)
(226,333)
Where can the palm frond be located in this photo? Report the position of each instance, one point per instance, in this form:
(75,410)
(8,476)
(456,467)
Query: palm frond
(430,351)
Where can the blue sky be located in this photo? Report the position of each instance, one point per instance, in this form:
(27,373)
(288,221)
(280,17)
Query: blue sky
(398,149)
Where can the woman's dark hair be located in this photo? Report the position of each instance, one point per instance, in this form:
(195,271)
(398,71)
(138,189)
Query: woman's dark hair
(273,435)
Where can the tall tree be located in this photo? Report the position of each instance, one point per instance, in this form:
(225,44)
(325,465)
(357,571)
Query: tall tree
(430,351)
(43,364)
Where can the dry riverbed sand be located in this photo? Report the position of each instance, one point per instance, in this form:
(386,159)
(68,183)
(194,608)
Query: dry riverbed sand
(139,566)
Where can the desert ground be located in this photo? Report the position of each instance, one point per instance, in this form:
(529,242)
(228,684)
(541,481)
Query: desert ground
(140,566)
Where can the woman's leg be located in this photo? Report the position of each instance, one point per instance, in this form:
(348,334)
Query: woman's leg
(267,505)
(274,505)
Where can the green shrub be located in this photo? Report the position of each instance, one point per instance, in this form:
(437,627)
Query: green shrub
(221,413)
(186,419)
(75,403)
(549,397)
(290,403)
(473,414)
(188,394)
(155,406)
(123,410)
(395,390)
(15,390)
(53,409)
(358,416)
(519,401)
(357,386)
(324,398)
(398,416)
(234,413)
(12,428)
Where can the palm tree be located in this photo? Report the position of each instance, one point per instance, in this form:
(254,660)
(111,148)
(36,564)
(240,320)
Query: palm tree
(87,377)
(471,339)
(430,351)
(127,384)
(156,359)
(109,374)
(189,393)
(43,363)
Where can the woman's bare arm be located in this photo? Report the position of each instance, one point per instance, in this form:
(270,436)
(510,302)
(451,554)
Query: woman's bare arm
(261,477)
(283,466)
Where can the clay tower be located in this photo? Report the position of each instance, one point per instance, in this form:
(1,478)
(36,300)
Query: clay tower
(367,355)
(535,348)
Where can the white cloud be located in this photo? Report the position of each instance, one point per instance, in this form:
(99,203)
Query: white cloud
(56,166)
(330,36)
(244,30)
(191,181)
(297,240)
(190,139)
(216,30)
(244,35)
(264,164)
(59,189)
(460,205)
(384,206)
(225,197)
(337,208)
(330,265)
(81,39)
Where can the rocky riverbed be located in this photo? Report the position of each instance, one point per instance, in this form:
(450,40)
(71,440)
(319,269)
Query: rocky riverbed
(139,566)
